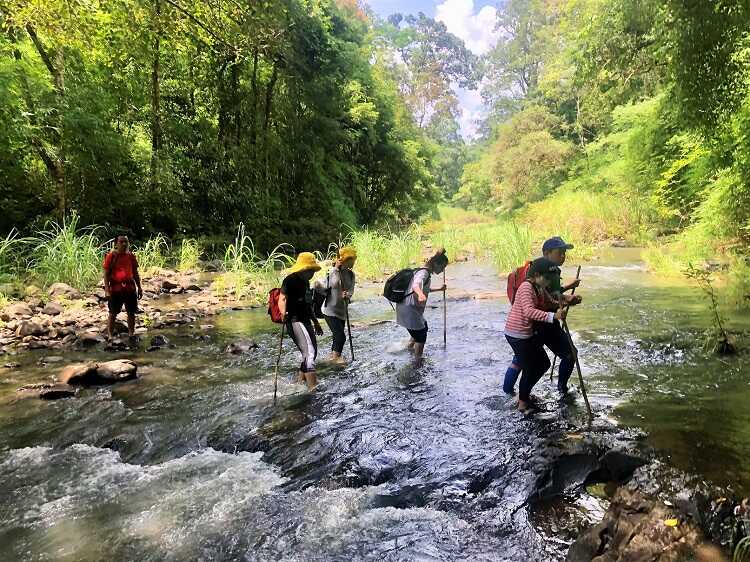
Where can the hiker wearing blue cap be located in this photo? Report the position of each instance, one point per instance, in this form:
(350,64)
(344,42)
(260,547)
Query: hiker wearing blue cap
(554,249)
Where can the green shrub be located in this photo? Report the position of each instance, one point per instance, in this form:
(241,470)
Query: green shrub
(190,253)
(63,253)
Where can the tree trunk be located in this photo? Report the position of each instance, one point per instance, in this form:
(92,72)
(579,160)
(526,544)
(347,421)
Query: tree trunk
(55,163)
(254,104)
(267,116)
(156,96)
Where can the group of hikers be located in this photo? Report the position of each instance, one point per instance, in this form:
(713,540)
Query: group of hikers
(539,304)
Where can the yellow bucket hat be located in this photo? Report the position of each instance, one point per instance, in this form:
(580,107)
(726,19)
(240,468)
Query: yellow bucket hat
(347,252)
(305,261)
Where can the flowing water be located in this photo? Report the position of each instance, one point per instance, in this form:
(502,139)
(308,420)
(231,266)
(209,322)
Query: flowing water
(386,461)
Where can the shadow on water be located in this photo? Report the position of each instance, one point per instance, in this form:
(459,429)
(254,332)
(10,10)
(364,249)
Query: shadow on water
(386,461)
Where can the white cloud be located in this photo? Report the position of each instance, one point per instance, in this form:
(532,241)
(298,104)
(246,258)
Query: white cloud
(472,111)
(476,29)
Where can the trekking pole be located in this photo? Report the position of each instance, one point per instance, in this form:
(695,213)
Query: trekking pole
(554,360)
(349,327)
(578,367)
(278,361)
(445,315)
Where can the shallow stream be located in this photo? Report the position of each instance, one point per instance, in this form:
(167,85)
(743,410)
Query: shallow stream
(386,461)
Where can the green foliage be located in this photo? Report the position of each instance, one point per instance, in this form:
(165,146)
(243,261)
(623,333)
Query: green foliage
(718,339)
(379,254)
(65,253)
(153,255)
(186,117)
(247,274)
(190,253)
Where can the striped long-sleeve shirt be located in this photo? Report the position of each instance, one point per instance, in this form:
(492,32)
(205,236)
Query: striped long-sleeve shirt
(525,311)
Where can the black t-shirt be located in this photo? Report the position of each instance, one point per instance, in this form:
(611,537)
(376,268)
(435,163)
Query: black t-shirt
(298,297)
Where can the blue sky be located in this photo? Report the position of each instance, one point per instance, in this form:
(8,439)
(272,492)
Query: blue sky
(387,7)
(471,20)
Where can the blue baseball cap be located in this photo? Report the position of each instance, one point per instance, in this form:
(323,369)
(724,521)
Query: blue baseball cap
(554,243)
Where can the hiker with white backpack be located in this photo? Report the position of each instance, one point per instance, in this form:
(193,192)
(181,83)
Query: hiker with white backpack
(409,289)
(333,292)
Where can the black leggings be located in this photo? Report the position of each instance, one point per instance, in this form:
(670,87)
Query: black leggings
(532,359)
(337,326)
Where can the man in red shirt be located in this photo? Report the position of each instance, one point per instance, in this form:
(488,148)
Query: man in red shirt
(122,284)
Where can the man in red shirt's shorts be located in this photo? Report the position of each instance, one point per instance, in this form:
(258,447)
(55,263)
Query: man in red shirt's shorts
(122,284)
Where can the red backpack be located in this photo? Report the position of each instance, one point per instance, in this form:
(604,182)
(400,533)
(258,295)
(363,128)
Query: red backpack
(273,306)
(515,278)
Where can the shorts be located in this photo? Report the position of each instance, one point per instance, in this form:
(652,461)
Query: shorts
(127,298)
(419,336)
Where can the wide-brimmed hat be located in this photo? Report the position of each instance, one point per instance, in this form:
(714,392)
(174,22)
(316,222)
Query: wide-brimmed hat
(305,262)
(347,253)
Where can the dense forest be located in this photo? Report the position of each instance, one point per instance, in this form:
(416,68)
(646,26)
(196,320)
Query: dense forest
(619,118)
(616,118)
(293,116)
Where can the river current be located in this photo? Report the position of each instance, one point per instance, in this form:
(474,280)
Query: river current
(386,461)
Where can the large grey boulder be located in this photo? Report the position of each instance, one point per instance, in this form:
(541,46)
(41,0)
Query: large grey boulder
(63,290)
(117,371)
(78,373)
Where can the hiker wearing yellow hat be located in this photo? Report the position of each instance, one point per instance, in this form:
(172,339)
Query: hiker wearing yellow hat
(295,305)
(337,288)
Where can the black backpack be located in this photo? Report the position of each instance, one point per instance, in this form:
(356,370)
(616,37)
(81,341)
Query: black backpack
(397,286)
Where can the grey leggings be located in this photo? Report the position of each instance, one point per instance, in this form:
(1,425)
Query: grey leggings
(303,335)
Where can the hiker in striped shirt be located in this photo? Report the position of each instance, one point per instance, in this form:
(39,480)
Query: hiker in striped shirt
(527,310)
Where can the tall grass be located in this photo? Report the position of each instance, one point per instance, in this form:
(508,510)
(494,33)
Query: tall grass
(584,217)
(190,253)
(153,255)
(380,254)
(10,250)
(247,274)
(64,253)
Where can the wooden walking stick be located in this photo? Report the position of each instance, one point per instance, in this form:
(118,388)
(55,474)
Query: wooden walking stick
(278,361)
(349,327)
(445,315)
(578,367)
(554,360)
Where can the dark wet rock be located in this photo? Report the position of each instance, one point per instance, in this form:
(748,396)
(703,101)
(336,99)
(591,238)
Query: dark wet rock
(78,374)
(48,391)
(566,473)
(159,341)
(53,309)
(169,285)
(12,365)
(89,338)
(117,345)
(190,286)
(635,529)
(63,290)
(30,328)
(57,391)
(51,359)
(152,348)
(117,371)
(17,309)
(240,347)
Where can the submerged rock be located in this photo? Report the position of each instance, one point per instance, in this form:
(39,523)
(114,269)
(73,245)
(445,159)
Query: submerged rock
(48,391)
(85,374)
(159,341)
(240,347)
